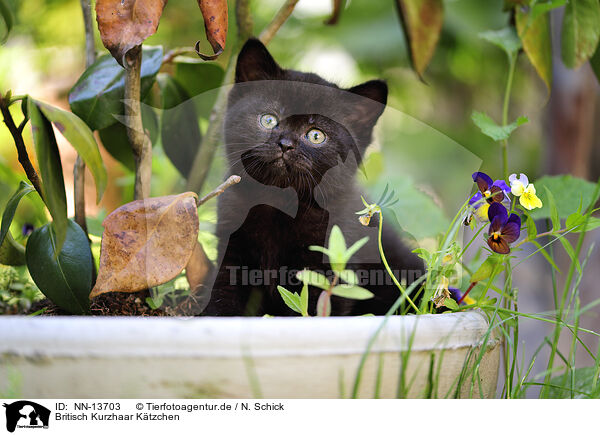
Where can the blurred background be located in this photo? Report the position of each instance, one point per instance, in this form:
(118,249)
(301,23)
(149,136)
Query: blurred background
(426,146)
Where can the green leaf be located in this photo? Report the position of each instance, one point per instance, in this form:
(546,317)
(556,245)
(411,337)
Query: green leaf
(595,63)
(65,277)
(570,252)
(304,299)
(583,381)
(319,249)
(592,224)
(97,96)
(451,304)
(292,300)
(546,255)
(188,72)
(337,249)
(553,210)
(313,278)
(486,269)
(81,138)
(507,39)
(12,253)
(53,185)
(534,32)
(580,31)
(422,25)
(568,191)
(493,130)
(355,247)
(180,134)
(115,140)
(351,292)
(349,277)
(7,16)
(531,228)
(11,208)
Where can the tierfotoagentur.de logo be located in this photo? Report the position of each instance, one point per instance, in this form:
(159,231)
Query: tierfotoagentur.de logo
(26,415)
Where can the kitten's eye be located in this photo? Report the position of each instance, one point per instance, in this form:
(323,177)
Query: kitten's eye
(269,121)
(316,136)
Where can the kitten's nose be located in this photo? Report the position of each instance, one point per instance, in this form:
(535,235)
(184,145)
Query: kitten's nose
(286,144)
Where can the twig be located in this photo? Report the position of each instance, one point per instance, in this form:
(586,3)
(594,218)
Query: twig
(280,18)
(79,169)
(139,141)
(210,141)
(16,133)
(244,20)
(171,55)
(234,179)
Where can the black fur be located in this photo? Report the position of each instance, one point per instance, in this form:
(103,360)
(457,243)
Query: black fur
(292,191)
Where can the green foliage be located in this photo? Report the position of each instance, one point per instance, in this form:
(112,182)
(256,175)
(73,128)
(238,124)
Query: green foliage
(187,72)
(11,208)
(97,96)
(578,384)
(493,130)
(337,251)
(292,300)
(7,18)
(570,193)
(580,31)
(115,141)
(180,134)
(81,138)
(533,26)
(507,39)
(351,292)
(65,276)
(493,262)
(12,253)
(17,291)
(314,278)
(51,171)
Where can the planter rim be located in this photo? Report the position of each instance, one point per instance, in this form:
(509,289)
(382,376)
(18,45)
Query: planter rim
(235,337)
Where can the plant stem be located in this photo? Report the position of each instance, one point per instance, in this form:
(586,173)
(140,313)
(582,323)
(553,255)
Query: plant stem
(280,17)
(511,72)
(22,155)
(387,266)
(234,179)
(139,141)
(79,169)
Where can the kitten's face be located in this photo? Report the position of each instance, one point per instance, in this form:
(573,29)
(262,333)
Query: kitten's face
(287,129)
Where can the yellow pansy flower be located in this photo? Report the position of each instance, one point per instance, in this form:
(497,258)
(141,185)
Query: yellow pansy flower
(529,199)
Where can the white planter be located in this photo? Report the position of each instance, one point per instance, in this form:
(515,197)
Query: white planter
(128,357)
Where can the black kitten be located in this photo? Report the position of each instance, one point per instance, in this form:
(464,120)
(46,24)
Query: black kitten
(296,140)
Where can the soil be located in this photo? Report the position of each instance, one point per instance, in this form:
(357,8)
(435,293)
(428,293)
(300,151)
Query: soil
(120,304)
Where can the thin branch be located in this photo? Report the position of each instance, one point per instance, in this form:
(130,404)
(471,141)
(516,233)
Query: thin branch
(234,179)
(139,141)
(79,169)
(172,54)
(15,131)
(244,20)
(282,15)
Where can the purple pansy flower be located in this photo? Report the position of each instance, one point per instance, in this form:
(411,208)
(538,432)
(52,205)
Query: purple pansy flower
(492,191)
(503,230)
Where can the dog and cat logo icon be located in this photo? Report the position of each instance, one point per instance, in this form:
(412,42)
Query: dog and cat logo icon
(25,414)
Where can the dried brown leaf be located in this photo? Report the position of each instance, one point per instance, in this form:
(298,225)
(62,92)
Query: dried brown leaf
(147,243)
(422,25)
(125,24)
(197,269)
(215,24)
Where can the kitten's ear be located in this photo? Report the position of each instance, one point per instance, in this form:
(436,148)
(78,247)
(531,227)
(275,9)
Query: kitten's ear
(255,63)
(371,106)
